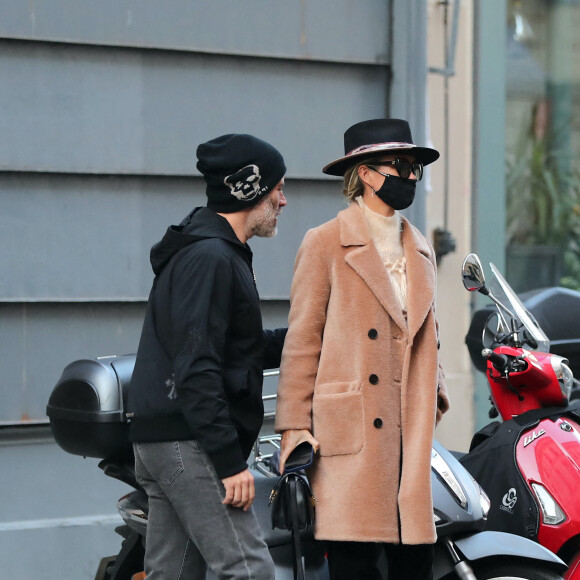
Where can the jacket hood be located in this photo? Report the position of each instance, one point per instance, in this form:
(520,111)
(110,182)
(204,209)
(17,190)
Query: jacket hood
(202,223)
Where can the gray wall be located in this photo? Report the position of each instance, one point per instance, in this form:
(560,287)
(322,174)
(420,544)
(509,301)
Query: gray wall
(101,107)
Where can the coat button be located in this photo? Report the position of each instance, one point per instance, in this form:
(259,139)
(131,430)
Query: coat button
(378,423)
(373,379)
(373,333)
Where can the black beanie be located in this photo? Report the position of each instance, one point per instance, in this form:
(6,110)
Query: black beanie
(239,170)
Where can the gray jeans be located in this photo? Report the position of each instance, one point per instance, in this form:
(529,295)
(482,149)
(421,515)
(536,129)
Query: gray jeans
(189,528)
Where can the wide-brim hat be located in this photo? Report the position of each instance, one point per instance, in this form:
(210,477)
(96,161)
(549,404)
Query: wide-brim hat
(378,136)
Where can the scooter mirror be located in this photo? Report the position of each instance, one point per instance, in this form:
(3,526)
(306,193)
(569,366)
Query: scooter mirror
(472,274)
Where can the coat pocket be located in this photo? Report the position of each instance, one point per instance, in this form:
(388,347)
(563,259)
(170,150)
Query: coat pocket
(338,421)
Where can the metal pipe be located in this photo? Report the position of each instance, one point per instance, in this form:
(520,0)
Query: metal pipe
(463,569)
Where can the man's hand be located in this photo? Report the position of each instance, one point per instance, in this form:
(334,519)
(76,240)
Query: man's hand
(240,490)
(290,440)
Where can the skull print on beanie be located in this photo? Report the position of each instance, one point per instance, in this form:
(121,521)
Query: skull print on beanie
(238,170)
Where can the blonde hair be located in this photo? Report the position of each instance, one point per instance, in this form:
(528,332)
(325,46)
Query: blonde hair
(353,186)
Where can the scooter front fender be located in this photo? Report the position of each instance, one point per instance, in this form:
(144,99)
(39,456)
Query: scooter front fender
(492,544)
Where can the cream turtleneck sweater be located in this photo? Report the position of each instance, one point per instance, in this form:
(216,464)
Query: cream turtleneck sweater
(386,235)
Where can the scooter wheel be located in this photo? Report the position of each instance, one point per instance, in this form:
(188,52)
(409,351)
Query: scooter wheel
(513,571)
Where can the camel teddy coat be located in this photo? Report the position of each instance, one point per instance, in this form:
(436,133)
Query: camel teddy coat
(365,381)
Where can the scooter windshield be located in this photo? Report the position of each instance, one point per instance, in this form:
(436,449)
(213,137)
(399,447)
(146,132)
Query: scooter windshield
(504,294)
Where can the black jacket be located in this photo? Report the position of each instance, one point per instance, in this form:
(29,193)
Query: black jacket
(198,373)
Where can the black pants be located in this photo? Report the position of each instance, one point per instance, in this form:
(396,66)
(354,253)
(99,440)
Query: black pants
(358,561)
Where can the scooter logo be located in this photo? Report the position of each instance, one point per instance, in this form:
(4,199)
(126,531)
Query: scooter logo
(509,501)
(531,438)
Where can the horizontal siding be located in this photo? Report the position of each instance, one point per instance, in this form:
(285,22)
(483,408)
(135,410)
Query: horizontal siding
(284,29)
(103,104)
(88,238)
(79,109)
(39,340)
(57,513)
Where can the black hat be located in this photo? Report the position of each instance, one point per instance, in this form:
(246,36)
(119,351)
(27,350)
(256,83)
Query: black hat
(374,137)
(239,170)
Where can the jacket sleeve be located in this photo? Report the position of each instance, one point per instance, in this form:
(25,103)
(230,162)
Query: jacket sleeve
(200,314)
(273,344)
(443,402)
(308,304)
(442,395)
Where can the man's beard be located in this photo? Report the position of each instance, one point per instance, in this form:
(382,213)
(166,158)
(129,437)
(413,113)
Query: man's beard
(262,220)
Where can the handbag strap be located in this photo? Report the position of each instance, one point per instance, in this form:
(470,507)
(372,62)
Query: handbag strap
(297,564)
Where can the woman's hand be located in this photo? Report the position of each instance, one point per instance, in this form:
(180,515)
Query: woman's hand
(290,440)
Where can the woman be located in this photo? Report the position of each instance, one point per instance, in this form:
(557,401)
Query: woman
(360,375)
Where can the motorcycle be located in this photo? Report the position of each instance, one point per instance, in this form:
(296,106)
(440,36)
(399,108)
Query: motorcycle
(87,418)
(529,463)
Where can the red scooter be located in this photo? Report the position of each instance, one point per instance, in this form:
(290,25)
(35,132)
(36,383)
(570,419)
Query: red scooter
(529,463)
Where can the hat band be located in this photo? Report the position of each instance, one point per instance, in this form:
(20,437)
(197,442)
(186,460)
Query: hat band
(379,147)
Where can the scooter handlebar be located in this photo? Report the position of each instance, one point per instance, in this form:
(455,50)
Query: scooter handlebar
(499,361)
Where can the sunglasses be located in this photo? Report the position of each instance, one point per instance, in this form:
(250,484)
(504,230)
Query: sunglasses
(404,168)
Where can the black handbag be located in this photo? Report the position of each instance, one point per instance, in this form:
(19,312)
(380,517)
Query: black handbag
(292,506)
(292,493)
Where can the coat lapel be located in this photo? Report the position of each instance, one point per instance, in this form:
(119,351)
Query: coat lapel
(364,259)
(421,277)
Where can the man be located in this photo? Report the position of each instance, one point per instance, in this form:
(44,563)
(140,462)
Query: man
(196,394)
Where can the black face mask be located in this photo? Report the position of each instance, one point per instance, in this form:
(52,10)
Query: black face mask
(397,192)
